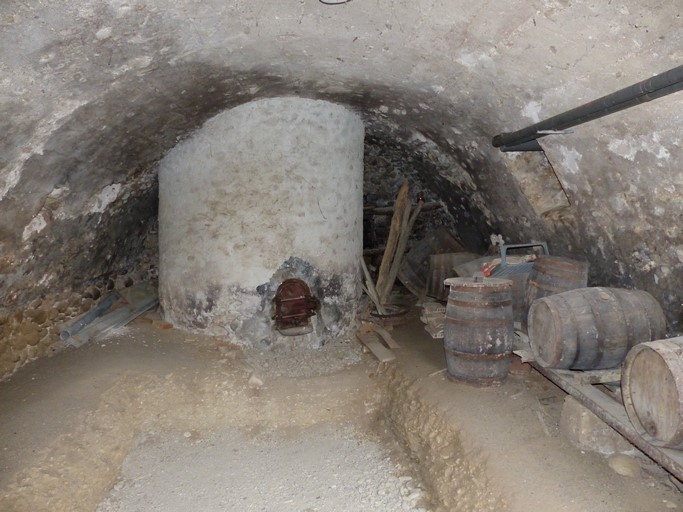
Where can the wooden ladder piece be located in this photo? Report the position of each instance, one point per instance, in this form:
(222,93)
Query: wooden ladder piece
(382,353)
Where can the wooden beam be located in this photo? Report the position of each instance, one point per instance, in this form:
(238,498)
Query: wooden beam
(399,219)
(400,250)
(613,413)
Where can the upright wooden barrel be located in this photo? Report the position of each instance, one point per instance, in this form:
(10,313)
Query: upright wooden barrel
(550,275)
(478,330)
(592,328)
(652,389)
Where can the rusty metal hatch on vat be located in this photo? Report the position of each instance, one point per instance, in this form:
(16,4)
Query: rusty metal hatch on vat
(294,307)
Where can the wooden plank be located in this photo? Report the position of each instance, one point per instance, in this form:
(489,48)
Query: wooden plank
(388,210)
(525,355)
(592,376)
(370,288)
(388,338)
(101,328)
(382,353)
(398,220)
(367,327)
(141,298)
(373,329)
(403,237)
(614,414)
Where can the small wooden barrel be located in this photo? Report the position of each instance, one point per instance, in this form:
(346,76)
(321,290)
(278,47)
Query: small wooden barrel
(652,389)
(478,330)
(592,328)
(550,275)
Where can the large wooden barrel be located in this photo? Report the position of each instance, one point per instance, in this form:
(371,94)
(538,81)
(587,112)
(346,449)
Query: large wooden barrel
(478,330)
(550,275)
(592,328)
(652,389)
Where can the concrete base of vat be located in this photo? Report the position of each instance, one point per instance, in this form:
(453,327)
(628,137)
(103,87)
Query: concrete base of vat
(245,316)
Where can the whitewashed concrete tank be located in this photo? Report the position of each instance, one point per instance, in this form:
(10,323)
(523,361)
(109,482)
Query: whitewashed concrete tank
(263,192)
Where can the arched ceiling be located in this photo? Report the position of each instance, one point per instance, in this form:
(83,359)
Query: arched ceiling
(93,93)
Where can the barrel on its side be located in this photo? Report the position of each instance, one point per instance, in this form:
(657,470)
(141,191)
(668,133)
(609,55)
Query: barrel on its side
(550,275)
(441,268)
(592,328)
(652,389)
(478,330)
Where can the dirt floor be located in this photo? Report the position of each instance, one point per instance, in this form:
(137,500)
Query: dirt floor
(154,420)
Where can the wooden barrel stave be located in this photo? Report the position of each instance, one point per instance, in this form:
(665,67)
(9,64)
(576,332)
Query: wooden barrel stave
(643,315)
(414,268)
(441,268)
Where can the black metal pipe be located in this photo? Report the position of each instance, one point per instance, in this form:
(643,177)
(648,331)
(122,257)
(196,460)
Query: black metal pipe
(660,85)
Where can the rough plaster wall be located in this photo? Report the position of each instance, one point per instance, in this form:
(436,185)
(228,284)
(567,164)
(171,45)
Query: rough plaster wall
(389,162)
(94,92)
(270,182)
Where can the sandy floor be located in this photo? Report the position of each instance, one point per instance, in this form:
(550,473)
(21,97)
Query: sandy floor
(322,468)
(160,420)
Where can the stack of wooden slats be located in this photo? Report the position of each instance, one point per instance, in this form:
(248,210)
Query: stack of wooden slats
(433,316)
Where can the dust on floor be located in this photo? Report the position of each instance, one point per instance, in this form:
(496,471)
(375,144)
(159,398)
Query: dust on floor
(161,420)
(323,468)
(131,423)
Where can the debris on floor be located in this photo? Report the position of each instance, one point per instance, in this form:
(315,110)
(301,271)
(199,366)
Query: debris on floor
(370,335)
(138,299)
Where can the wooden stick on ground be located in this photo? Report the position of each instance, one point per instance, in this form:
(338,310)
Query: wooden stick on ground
(401,214)
(370,289)
(398,256)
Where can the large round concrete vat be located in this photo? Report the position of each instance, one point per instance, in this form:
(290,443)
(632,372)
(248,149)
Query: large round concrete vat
(268,191)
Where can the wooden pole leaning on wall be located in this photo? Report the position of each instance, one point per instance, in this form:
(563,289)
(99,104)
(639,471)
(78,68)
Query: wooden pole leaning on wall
(398,222)
(400,249)
(369,288)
